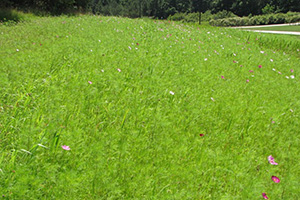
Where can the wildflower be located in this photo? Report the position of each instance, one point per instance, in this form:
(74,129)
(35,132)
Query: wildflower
(259,66)
(265,196)
(262,52)
(273,122)
(291,110)
(271,160)
(274,69)
(137,44)
(222,77)
(172,93)
(17,50)
(119,70)
(212,99)
(67,148)
(234,54)
(292,70)
(279,72)
(205,59)
(292,76)
(201,134)
(129,47)
(275,179)
(251,71)
(234,61)
(90,82)
(287,77)
(247,80)
(271,60)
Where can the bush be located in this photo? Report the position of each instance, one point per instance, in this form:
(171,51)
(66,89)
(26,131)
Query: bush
(257,20)
(194,17)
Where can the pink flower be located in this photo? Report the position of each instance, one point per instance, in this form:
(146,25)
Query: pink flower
(273,122)
(201,134)
(271,160)
(137,44)
(119,70)
(234,61)
(251,71)
(279,72)
(259,66)
(90,82)
(292,70)
(247,80)
(222,77)
(67,148)
(265,196)
(275,179)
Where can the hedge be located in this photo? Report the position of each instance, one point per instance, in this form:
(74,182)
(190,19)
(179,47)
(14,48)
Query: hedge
(279,18)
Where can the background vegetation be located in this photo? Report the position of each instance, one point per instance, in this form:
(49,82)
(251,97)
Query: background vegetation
(155,8)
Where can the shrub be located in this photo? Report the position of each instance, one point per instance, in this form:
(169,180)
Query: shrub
(258,20)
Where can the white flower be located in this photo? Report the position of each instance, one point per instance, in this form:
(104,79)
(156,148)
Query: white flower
(292,76)
(172,93)
(18,50)
(274,69)
(212,99)
(271,60)
(287,77)
(262,52)
(205,59)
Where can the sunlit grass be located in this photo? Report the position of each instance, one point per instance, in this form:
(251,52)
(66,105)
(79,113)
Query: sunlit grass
(130,99)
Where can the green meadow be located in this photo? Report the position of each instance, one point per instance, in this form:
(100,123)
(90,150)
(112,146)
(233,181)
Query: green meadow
(96,107)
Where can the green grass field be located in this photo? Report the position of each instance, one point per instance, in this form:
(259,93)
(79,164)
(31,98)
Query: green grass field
(149,109)
(279,28)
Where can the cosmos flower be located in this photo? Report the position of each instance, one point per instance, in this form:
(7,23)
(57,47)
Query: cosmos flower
(275,179)
(67,148)
(271,160)
(265,196)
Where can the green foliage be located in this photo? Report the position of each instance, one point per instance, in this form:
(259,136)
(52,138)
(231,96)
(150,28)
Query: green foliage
(268,9)
(258,20)
(206,17)
(160,9)
(12,16)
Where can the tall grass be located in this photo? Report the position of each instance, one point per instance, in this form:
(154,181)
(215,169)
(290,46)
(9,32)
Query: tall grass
(149,110)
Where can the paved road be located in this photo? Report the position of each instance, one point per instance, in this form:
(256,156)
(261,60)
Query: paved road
(275,32)
(259,26)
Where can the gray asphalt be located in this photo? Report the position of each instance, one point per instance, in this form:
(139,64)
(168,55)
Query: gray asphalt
(272,25)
